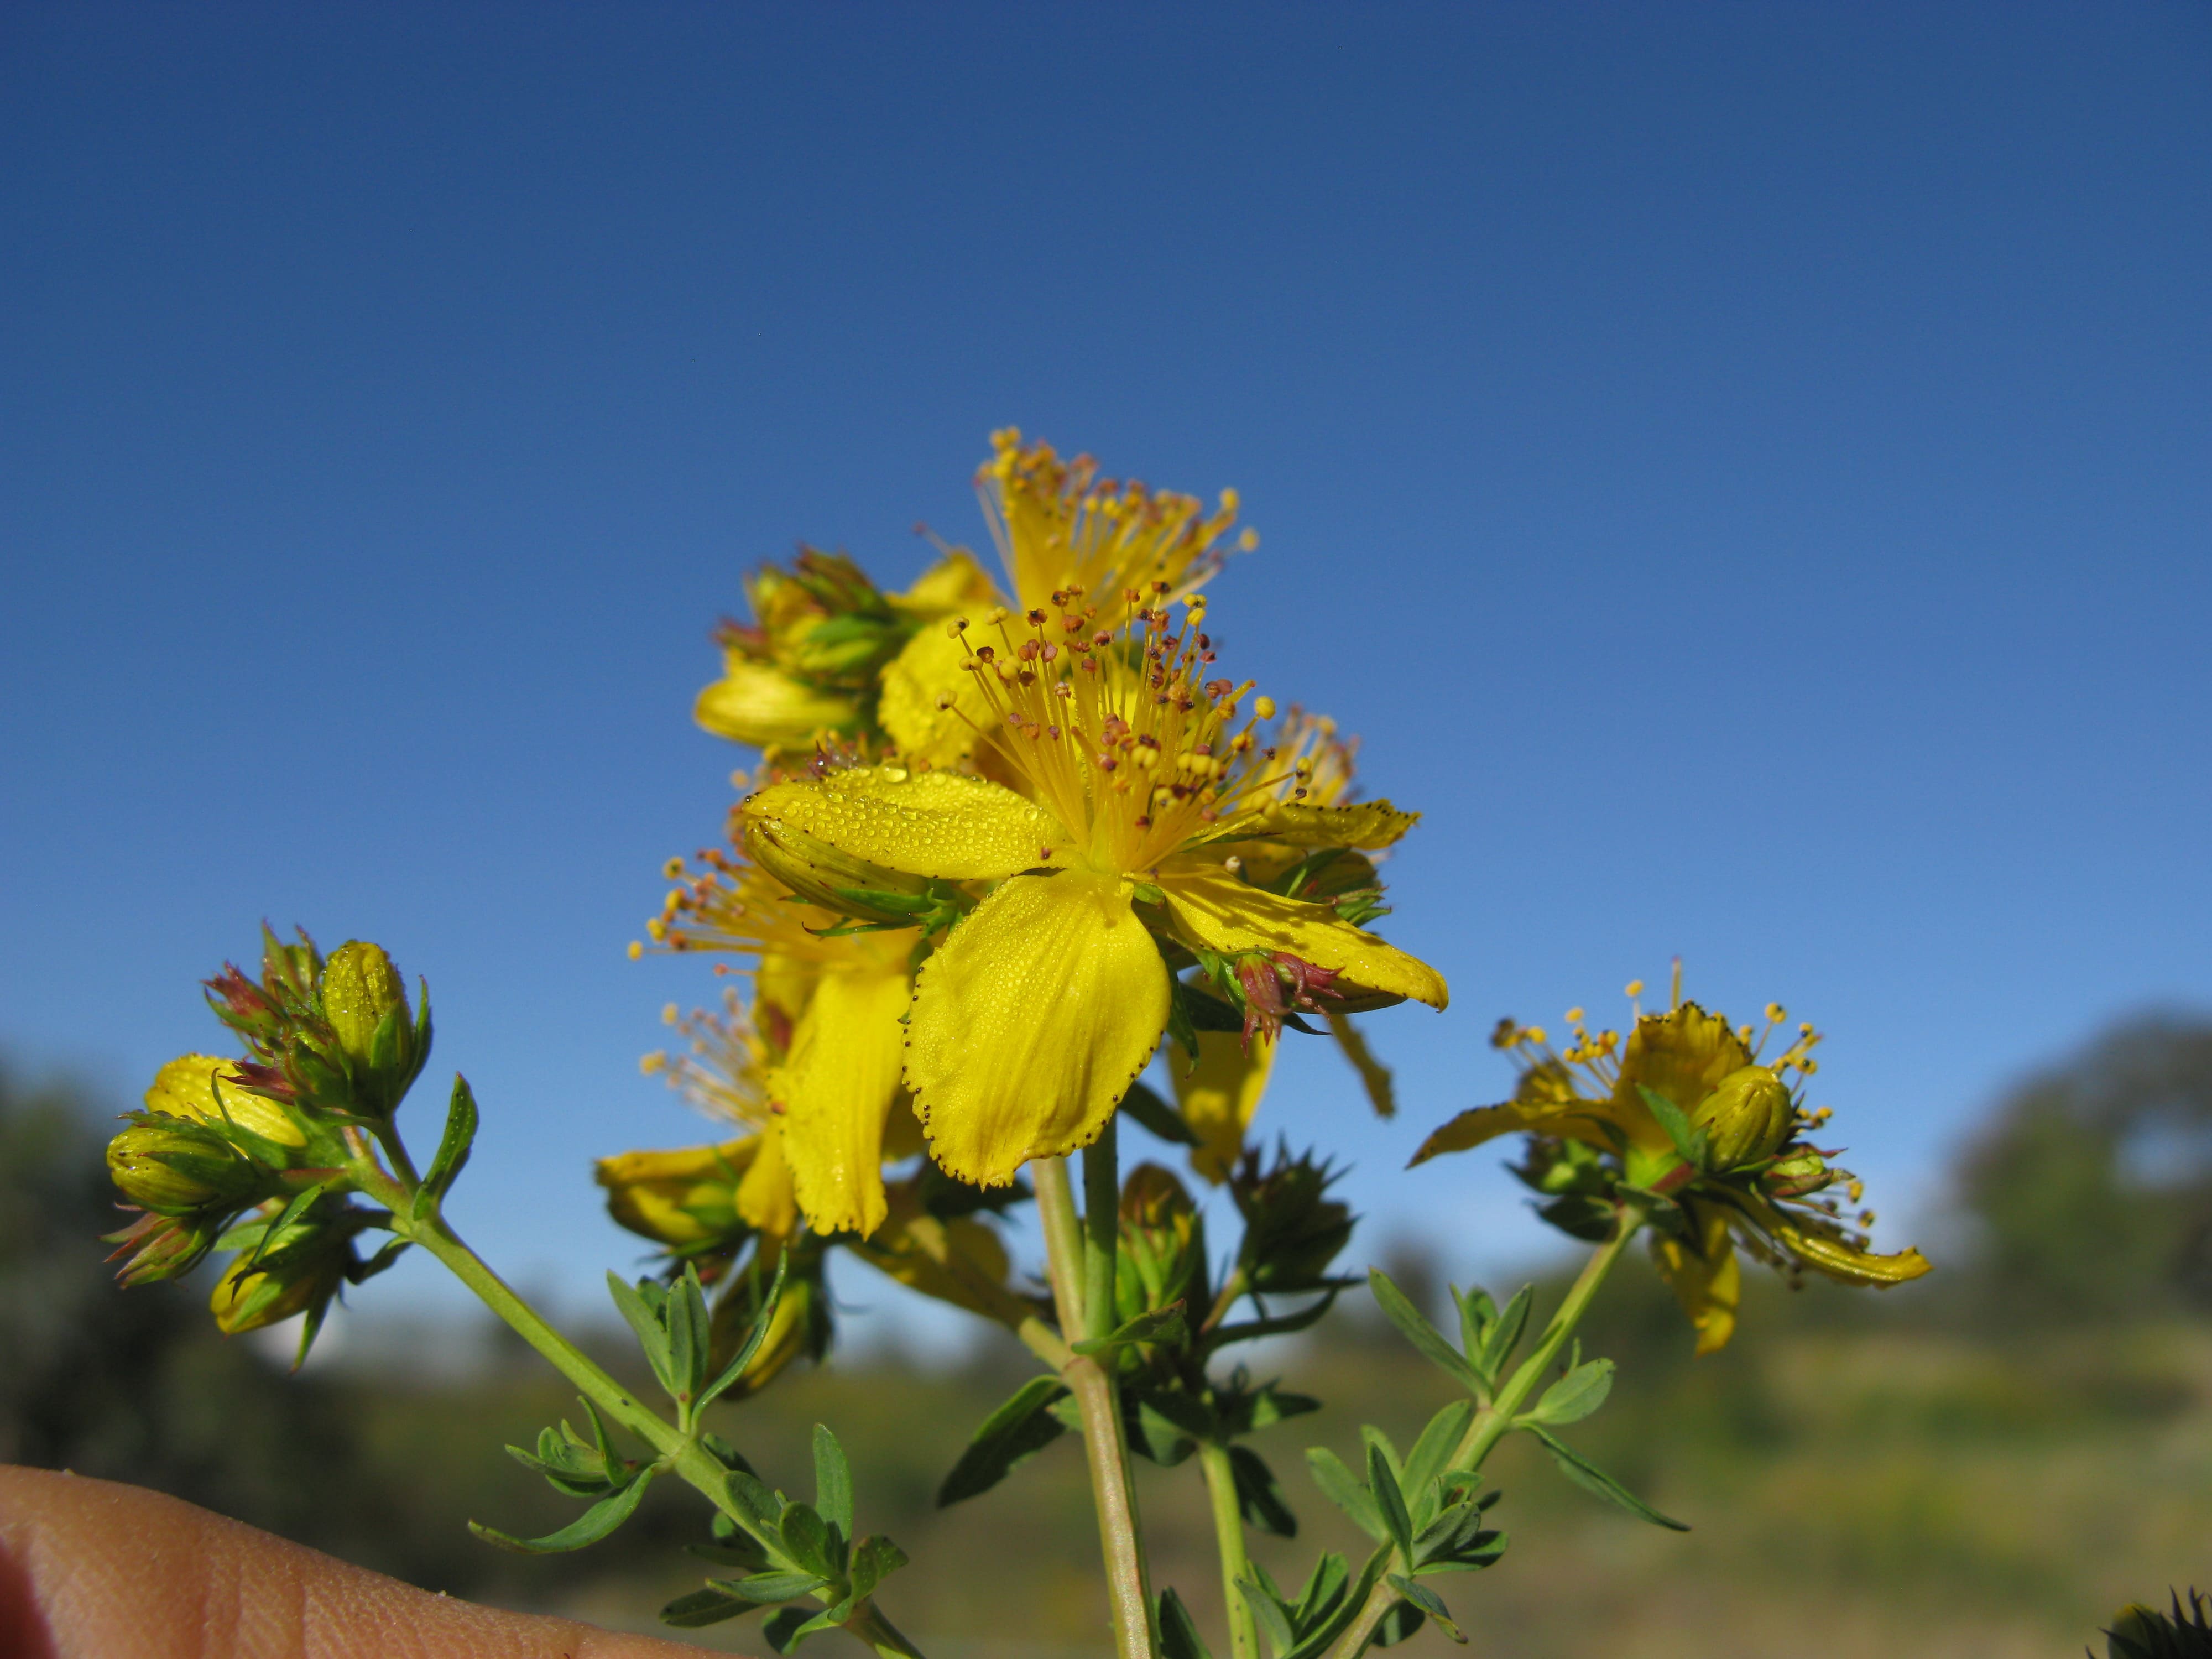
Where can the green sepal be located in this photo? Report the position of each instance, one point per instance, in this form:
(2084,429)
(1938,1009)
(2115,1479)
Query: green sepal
(300,1204)
(593,1524)
(1692,1143)
(1426,1338)
(1009,1436)
(1586,1475)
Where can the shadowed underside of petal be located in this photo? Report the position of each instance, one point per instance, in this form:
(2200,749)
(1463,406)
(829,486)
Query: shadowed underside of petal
(1479,1124)
(1708,1281)
(1369,825)
(763,706)
(1219,1097)
(1031,1022)
(837,1090)
(1213,909)
(926,824)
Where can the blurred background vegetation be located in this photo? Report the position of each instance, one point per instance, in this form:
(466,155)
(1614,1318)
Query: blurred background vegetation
(1987,1463)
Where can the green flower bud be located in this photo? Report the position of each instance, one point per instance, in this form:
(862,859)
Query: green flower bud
(248,1296)
(162,1245)
(175,1168)
(1747,1117)
(1292,1229)
(839,882)
(1163,1247)
(800,1323)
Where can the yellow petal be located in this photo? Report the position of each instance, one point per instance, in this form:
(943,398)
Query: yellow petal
(765,1198)
(1370,825)
(960,1261)
(1219,1097)
(1707,1280)
(927,669)
(1374,1075)
(1031,1022)
(953,581)
(926,823)
(1819,1249)
(198,1088)
(1544,1102)
(837,1090)
(764,707)
(1213,908)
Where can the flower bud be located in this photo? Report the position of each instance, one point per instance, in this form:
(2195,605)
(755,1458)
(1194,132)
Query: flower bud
(364,1000)
(800,1324)
(202,1089)
(162,1245)
(1163,1246)
(686,1200)
(176,1167)
(757,703)
(820,874)
(1292,1229)
(1747,1117)
(249,1296)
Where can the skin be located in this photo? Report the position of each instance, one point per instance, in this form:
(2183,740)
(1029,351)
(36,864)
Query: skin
(92,1570)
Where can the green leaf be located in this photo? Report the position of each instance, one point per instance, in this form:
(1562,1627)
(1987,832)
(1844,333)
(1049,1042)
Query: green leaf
(1162,1120)
(391,1251)
(777,1586)
(1425,1337)
(1313,1641)
(1433,1450)
(1586,1475)
(1341,1487)
(833,1483)
(1205,1011)
(684,1316)
(1270,1405)
(1400,1624)
(1575,1395)
(1389,1502)
(1324,1589)
(631,1302)
(1477,1312)
(1270,1612)
(703,1608)
(1179,1636)
(1160,1324)
(1258,1497)
(291,1212)
(1018,1430)
(743,1357)
(806,1539)
(1166,1424)
(1430,1603)
(593,1524)
(1504,1334)
(782,1630)
(752,1496)
(453,1148)
(874,1560)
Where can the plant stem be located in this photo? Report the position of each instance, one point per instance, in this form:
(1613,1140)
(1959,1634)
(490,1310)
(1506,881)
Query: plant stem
(681,1454)
(1127,1590)
(1229,1537)
(1102,1231)
(1495,1420)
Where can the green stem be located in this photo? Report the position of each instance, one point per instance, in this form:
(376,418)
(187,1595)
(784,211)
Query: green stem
(681,1454)
(1495,1420)
(1127,1590)
(1102,1232)
(1229,1537)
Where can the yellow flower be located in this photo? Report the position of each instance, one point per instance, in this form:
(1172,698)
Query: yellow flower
(1137,785)
(820,1066)
(199,1089)
(700,1197)
(958,1259)
(1058,525)
(1688,1109)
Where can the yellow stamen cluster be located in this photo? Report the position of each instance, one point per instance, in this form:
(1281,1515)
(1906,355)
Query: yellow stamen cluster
(1117,732)
(732,904)
(1529,1047)
(725,1074)
(1056,522)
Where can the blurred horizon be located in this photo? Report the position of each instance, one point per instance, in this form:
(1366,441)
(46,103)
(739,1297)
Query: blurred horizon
(1742,471)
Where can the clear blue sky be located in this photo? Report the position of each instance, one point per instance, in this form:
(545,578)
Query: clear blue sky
(1746,470)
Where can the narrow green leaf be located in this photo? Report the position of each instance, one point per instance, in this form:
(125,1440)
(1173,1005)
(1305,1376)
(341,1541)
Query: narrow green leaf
(1270,1614)
(1324,1588)
(1341,1487)
(290,1213)
(593,1524)
(833,1483)
(703,1608)
(1258,1497)
(1575,1395)
(453,1146)
(1505,1335)
(1315,1642)
(743,1357)
(874,1560)
(751,1495)
(1179,1636)
(630,1301)
(1430,1603)
(1389,1502)
(1160,1324)
(1425,1337)
(806,1539)
(777,1586)
(781,1630)
(1154,1114)
(390,1252)
(1476,1314)
(1433,1450)
(1015,1432)
(1586,1475)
